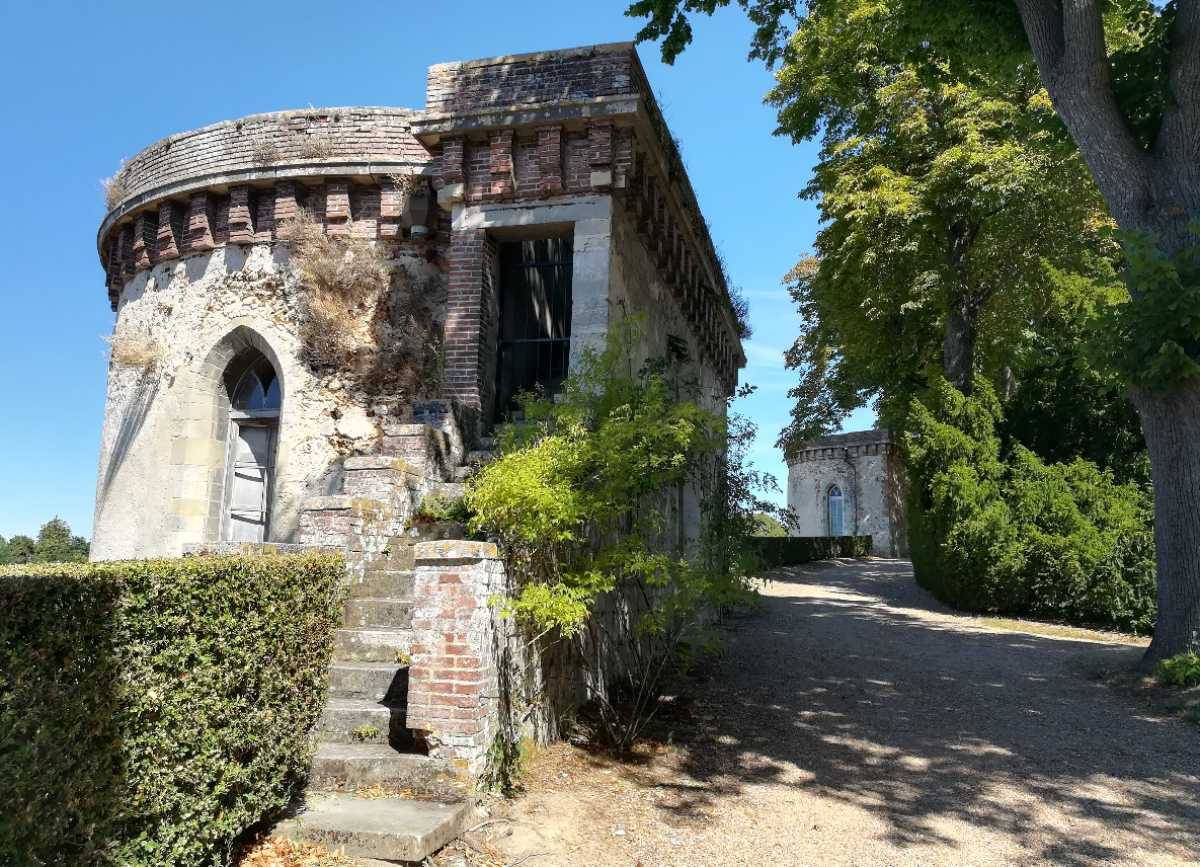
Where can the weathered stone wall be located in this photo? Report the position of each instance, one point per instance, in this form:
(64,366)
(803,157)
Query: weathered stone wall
(865,468)
(165,435)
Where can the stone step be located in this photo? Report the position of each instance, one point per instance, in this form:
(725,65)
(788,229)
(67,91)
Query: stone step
(382,582)
(385,682)
(480,456)
(350,766)
(463,474)
(392,829)
(362,721)
(382,611)
(372,645)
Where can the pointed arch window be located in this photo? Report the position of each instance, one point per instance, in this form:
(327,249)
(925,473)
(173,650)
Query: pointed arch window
(837,511)
(254,405)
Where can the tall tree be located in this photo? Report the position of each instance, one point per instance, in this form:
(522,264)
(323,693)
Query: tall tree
(944,206)
(1124,76)
(20,549)
(55,544)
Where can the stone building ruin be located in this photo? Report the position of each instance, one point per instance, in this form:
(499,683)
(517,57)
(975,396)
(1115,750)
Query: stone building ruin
(533,202)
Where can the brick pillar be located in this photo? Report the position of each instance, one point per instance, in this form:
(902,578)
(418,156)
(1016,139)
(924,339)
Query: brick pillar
(453,687)
(469,321)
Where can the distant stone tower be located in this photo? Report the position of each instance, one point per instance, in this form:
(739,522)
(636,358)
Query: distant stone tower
(534,198)
(850,484)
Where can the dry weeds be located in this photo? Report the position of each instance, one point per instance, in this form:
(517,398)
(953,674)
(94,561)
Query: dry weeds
(264,152)
(115,187)
(278,852)
(317,147)
(361,315)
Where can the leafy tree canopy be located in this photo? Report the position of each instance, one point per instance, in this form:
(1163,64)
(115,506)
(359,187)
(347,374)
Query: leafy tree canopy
(54,544)
(949,213)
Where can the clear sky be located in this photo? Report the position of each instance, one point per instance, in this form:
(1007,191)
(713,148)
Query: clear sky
(90,83)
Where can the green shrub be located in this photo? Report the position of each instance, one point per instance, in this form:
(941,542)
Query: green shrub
(584,497)
(775,551)
(1020,536)
(1182,670)
(151,711)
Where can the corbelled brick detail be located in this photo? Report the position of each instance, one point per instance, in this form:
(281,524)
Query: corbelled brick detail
(502,164)
(170,230)
(452,160)
(453,689)
(337,207)
(199,236)
(145,232)
(241,223)
(549,148)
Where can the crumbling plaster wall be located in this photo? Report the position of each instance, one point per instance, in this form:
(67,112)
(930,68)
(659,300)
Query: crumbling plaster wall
(165,435)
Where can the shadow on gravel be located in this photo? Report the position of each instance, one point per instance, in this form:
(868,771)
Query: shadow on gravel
(857,688)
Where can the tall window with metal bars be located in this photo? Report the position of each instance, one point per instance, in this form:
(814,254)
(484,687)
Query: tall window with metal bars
(535,320)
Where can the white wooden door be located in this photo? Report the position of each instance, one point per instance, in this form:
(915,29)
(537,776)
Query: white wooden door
(250,481)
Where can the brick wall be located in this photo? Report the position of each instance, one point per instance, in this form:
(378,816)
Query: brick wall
(284,138)
(525,79)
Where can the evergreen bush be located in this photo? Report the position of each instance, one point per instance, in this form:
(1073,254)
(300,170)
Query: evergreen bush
(1017,535)
(151,711)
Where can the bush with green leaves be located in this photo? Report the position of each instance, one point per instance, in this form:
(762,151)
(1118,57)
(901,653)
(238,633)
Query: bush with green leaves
(1182,670)
(1016,535)
(151,711)
(585,498)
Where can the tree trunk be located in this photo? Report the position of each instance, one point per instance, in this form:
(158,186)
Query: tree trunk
(958,345)
(1171,424)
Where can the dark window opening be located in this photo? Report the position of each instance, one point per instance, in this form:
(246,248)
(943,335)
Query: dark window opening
(535,320)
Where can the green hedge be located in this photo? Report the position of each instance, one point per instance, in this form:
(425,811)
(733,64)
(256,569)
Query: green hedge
(151,711)
(775,551)
(1015,535)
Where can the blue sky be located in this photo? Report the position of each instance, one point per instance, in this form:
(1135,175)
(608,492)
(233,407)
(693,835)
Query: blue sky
(90,83)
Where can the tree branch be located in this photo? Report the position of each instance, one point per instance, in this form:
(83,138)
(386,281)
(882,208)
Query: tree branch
(1067,38)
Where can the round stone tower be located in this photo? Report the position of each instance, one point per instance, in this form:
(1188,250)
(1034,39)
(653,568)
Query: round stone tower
(218,424)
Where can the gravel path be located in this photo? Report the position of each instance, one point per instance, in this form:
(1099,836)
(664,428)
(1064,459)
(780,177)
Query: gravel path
(856,721)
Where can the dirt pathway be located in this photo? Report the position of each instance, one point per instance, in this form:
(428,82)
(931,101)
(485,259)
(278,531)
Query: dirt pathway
(856,721)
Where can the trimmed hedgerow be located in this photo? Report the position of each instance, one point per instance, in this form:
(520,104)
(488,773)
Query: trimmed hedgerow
(792,550)
(1015,535)
(151,711)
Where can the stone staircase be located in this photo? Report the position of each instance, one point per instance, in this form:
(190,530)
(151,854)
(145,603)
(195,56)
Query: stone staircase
(416,804)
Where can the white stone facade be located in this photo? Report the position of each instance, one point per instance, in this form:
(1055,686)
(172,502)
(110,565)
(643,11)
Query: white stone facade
(850,485)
